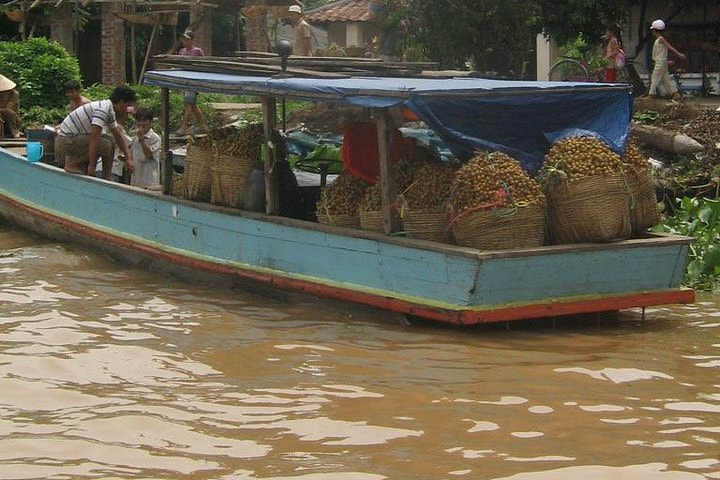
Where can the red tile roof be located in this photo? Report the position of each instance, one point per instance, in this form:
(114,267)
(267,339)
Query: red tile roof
(341,11)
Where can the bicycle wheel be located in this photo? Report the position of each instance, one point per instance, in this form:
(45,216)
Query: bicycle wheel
(568,70)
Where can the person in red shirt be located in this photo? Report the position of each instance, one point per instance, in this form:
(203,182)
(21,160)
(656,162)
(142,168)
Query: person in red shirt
(612,50)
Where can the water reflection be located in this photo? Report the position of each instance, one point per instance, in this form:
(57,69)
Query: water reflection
(107,372)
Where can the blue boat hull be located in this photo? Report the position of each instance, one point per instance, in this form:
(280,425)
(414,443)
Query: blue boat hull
(435,281)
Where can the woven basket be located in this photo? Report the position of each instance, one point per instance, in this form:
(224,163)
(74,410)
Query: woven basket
(179,188)
(198,177)
(229,174)
(426,224)
(231,161)
(349,221)
(372,221)
(501,229)
(590,209)
(644,211)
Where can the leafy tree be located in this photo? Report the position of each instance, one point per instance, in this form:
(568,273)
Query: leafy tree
(494,35)
(40,68)
(564,20)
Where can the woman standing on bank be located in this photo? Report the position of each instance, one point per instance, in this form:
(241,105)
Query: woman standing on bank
(612,50)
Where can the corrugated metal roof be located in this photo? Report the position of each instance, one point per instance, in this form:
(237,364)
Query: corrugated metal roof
(341,11)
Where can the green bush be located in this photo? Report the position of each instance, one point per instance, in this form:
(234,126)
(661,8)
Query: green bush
(698,218)
(149,97)
(40,68)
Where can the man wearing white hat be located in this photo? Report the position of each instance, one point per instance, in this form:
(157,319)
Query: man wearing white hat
(660,75)
(301,31)
(9,109)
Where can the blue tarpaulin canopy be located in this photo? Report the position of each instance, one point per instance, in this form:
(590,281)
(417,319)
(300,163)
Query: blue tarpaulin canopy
(517,117)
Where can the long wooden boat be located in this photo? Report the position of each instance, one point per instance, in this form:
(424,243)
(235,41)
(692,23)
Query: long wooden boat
(435,281)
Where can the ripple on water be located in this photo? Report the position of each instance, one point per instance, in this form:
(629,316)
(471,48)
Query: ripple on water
(652,471)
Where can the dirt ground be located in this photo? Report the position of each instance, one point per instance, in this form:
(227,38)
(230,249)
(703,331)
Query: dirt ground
(686,175)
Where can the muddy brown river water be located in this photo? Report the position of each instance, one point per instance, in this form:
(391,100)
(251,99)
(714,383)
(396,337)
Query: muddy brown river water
(116,373)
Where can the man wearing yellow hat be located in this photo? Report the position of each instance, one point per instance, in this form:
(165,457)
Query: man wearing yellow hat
(9,109)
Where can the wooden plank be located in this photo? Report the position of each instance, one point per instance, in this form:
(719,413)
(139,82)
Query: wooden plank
(314,64)
(233,66)
(272,185)
(166,167)
(391,220)
(151,44)
(148,18)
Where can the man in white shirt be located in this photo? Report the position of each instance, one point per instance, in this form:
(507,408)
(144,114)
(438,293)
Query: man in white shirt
(81,142)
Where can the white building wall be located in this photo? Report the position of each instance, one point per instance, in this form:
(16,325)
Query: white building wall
(547,53)
(354,34)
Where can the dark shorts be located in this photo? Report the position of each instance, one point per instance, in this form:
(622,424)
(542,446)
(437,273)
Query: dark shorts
(190,97)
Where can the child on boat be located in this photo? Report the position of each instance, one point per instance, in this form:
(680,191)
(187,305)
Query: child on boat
(145,148)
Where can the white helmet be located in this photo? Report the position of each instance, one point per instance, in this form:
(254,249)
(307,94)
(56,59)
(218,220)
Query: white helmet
(295,9)
(657,25)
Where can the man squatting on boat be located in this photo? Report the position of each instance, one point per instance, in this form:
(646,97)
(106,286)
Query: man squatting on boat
(80,140)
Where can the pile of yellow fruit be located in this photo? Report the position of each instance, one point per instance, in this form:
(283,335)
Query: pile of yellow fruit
(243,141)
(635,158)
(580,157)
(493,179)
(430,186)
(403,172)
(343,196)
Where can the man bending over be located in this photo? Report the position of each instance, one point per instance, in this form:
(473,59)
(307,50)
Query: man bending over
(81,142)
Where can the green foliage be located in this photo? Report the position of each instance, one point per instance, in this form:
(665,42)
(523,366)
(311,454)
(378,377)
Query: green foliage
(497,36)
(149,97)
(563,20)
(699,218)
(40,68)
(647,116)
(36,117)
(581,49)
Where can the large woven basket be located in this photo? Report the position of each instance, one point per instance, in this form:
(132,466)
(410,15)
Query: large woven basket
(372,221)
(198,177)
(179,188)
(590,209)
(501,229)
(228,186)
(644,211)
(426,224)
(349,221)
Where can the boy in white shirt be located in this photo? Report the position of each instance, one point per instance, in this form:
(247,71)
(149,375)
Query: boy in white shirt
(145,149)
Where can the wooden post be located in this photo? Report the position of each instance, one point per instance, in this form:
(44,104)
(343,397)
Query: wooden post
(149,50)
(272,186)
(166,166)
(133,55)
(391,220)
